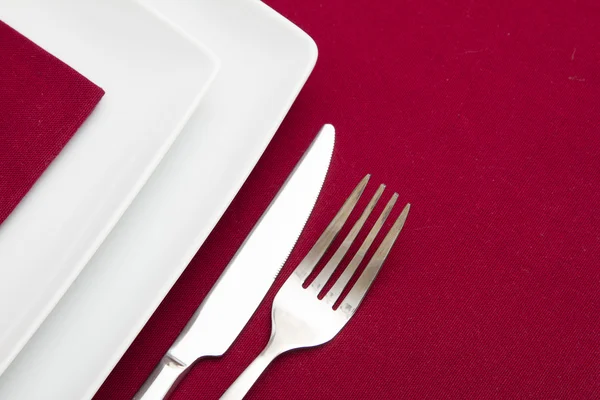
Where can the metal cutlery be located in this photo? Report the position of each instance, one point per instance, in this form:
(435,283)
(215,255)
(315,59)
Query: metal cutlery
(249,275)
(299,317)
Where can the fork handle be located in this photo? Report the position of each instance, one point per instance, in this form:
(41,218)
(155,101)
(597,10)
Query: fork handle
(244,382)
(163,380)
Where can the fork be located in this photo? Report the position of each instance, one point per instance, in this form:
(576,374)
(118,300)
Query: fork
(298,317)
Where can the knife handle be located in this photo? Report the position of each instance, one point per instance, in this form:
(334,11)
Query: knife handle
(163,380)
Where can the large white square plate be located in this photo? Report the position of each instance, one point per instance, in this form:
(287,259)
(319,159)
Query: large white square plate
(153,78)
(265,62)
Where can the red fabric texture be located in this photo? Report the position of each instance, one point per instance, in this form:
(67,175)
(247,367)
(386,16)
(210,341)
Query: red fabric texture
(486,117)
(43,102)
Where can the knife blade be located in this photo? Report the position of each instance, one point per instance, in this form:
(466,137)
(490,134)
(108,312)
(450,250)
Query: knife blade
(245,281)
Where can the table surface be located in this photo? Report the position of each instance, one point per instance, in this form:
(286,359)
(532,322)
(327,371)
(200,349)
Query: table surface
(485,116)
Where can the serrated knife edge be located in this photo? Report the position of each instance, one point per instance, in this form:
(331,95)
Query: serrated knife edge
(255,266)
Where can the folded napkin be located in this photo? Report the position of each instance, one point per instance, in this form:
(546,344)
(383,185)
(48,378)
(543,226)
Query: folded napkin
(43,102)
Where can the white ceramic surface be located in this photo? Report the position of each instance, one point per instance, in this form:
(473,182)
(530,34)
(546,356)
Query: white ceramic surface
(265,60)
(153,78)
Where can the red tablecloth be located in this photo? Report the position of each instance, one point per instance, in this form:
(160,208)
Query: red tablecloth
(486,117)
(42,104)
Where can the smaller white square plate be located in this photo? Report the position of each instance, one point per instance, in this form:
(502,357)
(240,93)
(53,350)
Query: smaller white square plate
(265,61)
(153,78)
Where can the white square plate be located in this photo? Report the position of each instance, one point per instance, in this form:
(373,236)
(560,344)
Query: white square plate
(265,60)
(153,78)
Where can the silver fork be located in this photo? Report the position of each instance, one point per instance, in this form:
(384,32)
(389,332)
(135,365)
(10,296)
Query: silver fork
(299,317)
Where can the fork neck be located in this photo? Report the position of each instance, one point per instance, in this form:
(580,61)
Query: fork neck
(244,382)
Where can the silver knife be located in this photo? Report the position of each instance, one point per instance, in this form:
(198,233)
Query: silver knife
(245,281)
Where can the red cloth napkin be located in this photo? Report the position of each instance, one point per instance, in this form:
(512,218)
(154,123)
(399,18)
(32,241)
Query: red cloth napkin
(486,117)
(42,103)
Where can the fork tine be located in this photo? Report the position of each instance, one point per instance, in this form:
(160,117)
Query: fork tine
(362,285)
(339,254)
(342,281)
(316,252)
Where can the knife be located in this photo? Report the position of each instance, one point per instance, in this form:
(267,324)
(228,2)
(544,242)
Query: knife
(245,281)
